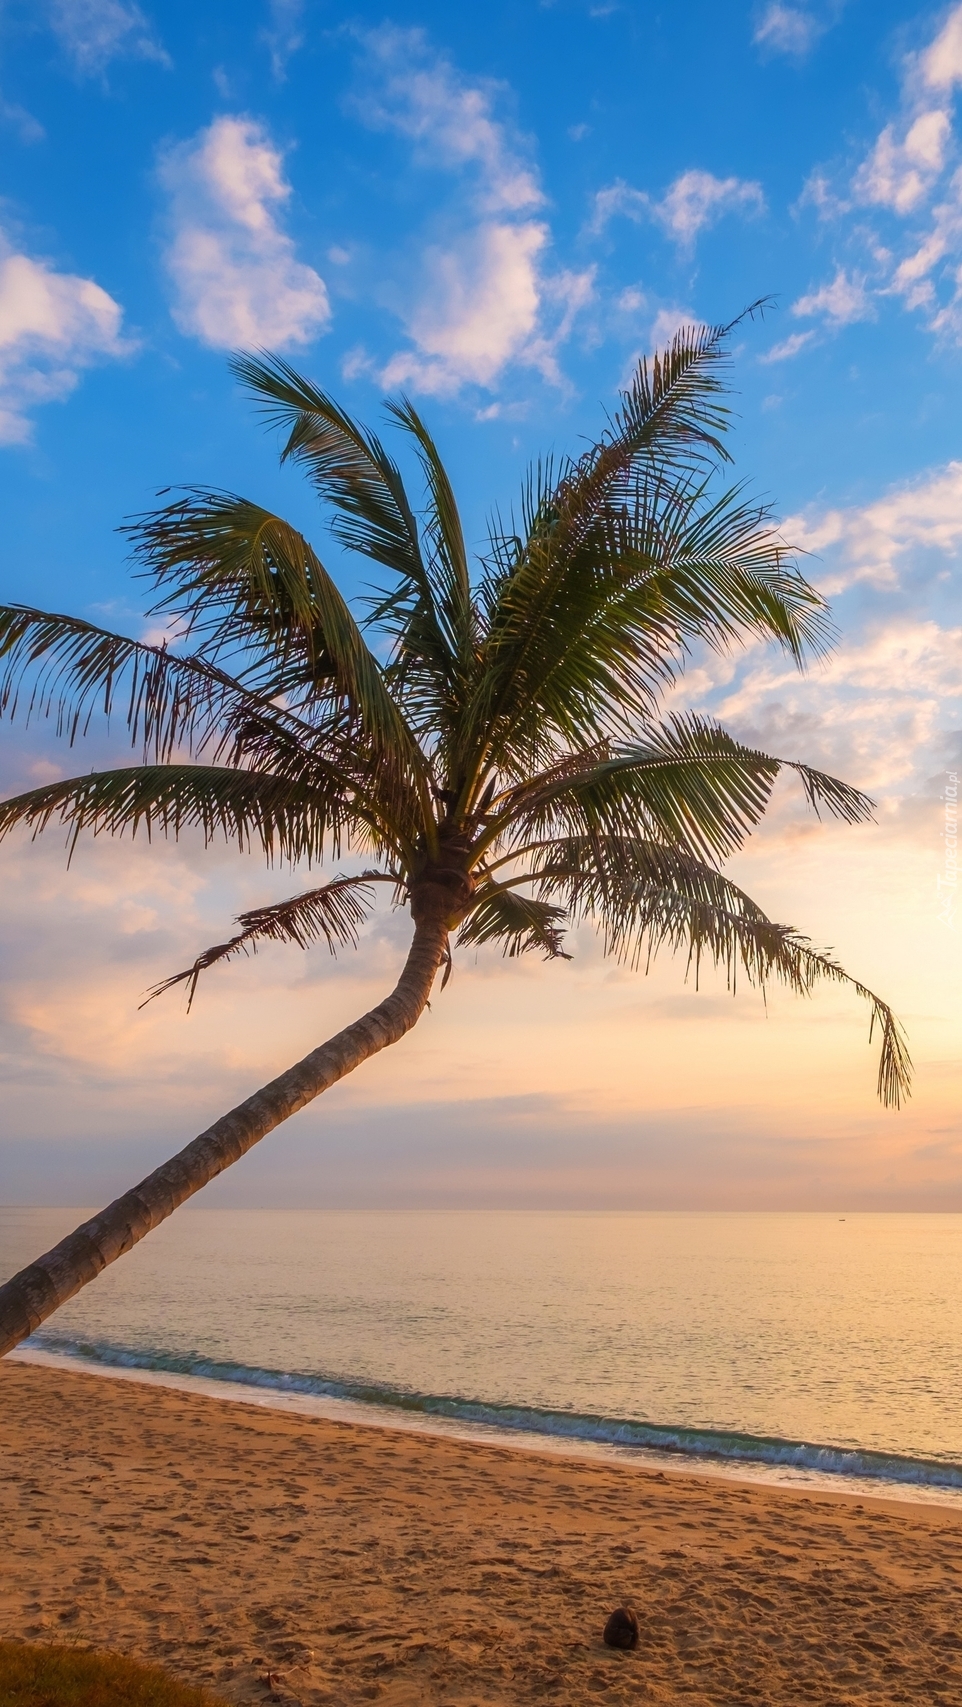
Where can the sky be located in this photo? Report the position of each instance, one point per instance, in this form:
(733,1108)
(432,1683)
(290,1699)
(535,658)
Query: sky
(497,209)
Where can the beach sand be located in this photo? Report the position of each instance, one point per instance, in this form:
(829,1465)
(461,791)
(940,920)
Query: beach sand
(360,1564)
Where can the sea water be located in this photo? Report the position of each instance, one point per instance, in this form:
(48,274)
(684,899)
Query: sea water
(813,1343)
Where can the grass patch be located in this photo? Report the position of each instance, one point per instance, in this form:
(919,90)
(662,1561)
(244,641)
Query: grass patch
(70,1677)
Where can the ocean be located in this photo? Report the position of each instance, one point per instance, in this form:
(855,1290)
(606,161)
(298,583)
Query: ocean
(808,1347)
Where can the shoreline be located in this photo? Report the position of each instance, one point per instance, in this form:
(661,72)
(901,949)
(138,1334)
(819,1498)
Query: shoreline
(363,1414)
(264,1552)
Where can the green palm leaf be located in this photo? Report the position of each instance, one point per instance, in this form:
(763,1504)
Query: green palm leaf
(690,784)
(248,586)
(646,896)
(352,472)
(60,667)
(584,641)
(347,465)
(285,817)
(517,922)
(333,914)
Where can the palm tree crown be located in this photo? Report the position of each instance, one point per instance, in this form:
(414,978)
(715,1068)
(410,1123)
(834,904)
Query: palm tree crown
(509,757)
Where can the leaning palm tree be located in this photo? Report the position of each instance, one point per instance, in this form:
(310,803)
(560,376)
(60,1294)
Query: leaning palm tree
(508,770)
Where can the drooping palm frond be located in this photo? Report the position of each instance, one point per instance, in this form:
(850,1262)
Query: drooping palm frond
(690,784)
(287,819)
(60,667)
(332,913)
(518,922)
(646,896)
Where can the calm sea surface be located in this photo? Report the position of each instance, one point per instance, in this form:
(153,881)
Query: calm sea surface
(828,1344)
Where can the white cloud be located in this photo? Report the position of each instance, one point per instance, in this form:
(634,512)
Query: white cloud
(52,325)
(667,322)
(841,302)
(422,96)
(899,174)
(479,309)
(619,199)
(788,347)
(905,173)
(697,199)
(914,278)
(883,709)
(93,32)
(868,542)
(236,275)
(485,298)
(942,62)
(787,29)
(877,711)
(693,202)
(818,193)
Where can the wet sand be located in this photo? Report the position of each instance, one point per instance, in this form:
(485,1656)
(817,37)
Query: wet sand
(272,1556)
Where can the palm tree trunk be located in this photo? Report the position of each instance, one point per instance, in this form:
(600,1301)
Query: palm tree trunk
(37,1291)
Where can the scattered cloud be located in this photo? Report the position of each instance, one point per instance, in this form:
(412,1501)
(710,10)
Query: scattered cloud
(420,95)
(788,347)
(93,32)
(485,296)
(817,192)
(911,173)
(884,708)
(236,276)
(480,307)
(899,173)
(941,63)
(667,322)
(840,303)
(283,35)
(695,201)
(869,542)
(52,326)
(878,711)
(788,29)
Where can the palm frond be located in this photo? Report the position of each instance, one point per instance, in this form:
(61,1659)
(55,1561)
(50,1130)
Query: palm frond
(332,913)
(646,896)
(347,465)
(246,584)
(60,667)
(448,565)
(587,638)
(671,411)
(286,818)
(690,784)
(517,922)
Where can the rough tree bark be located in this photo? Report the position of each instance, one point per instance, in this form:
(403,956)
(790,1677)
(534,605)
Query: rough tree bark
(38,1290)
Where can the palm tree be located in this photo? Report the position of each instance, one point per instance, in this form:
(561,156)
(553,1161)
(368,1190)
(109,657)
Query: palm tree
(505,772)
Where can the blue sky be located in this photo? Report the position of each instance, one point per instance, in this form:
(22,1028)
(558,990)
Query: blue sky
(498,209)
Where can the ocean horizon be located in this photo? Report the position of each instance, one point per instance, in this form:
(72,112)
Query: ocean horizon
(799,1347)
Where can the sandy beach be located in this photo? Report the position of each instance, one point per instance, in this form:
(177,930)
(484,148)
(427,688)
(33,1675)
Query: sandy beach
(272,1556)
